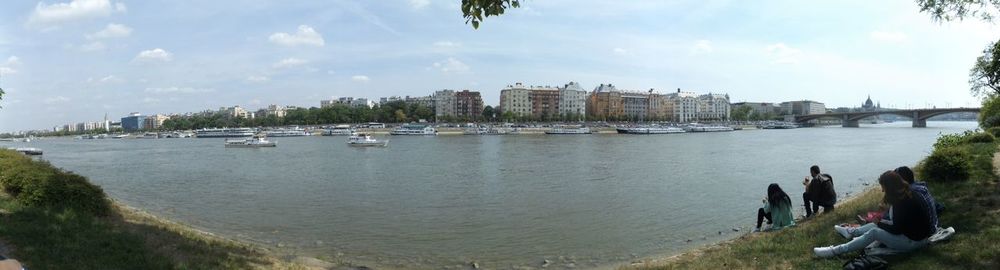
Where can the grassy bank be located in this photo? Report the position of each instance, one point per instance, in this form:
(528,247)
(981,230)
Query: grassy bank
(51,219)
(972,208)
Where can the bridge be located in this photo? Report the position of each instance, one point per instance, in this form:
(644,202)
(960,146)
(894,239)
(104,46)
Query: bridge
(851,119)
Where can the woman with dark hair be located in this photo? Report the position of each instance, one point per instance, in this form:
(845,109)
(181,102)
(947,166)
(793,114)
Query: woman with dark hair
(777,209)
(908,230)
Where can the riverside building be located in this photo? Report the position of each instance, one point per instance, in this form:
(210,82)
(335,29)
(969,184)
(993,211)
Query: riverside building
(544,102)
(572,101)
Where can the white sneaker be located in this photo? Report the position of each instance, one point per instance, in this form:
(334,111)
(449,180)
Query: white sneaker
(756,230)
(843,231)
(824,252)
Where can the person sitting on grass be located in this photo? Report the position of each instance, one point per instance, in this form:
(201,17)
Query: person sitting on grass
(777,209)
(908,230)
(925,193)
(819,192)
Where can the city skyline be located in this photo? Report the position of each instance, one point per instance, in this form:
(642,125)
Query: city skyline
(62,60)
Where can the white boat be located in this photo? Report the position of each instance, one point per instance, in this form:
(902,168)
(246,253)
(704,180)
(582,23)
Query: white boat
(365,139)
(485,131)
(568,130)
(31,151)
(252,142)
(779,126)
(650,130)
(287,132)
(150,135)
(414,129)
(339,130)
(223,132)
(701,128)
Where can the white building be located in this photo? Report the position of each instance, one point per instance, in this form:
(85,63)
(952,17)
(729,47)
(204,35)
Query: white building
(573,100)
(803,107)
(682,106)
(444,103)
(235,111)
(516,99)
(349,101)
(713,107)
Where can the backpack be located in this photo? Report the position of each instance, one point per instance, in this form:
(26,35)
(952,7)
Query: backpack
(866,262)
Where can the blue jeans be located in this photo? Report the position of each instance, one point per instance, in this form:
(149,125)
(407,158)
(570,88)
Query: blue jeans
(870,232)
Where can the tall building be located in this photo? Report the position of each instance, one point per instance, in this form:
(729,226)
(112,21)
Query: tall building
(714,107)
(515,99)
(444,103)
(426,101)
(468,104)
(635,105)
(605,103)
(573,100)
(154,121)
(544,102)
(135,121)
(682,106)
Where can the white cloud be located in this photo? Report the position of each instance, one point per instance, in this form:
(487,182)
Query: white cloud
(331,72)
(446,44)
(360,78)
(178,90)
(8,66)
(257,78)
(106,79)
(254,102)
(56,99)
(451,65)
(113,30)
(884,36)
(619,51)
(45,14)
(783,54)
(150,100)
(92,46)
(702,47)
(418,4)
(154,55)
(304,36)
(289,62)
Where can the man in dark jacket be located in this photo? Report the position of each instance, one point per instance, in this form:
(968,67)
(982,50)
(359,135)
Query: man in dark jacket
(819,192)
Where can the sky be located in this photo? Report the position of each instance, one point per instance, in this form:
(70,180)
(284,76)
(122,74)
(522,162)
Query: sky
(69,61)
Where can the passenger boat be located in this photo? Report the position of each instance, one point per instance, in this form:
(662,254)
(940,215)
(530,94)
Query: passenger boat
(252,142)
(365,139)
(485,131)
(565,130)
(650,130)
(339,130)
(150,135)
(779,126)
(701,128)
(413,129)
(223,132)
(287,132)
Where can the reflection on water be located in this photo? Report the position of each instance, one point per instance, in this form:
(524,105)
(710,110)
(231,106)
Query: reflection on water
(498,200)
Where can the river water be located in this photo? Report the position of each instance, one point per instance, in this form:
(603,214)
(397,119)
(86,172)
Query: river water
(501,201)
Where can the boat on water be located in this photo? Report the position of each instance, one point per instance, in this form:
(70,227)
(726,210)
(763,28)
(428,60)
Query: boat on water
(287,132)
(486,131)
(252,142)
(779,126)
(150,135)
(224,132)
(30,151)
(339,130)
(650,130)
(704,128)
(568,130)
(414,129)
(120,136)
(365,140)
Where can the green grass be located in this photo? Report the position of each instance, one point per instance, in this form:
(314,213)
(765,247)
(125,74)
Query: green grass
(972,208)
(55,234)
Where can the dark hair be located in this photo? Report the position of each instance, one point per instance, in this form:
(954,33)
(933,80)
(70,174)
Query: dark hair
(906,173)
(814,169)
(896,189)
(776,196)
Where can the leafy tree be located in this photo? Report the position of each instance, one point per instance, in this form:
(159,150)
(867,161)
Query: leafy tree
(489,113)
(742,113)
(984,78)
(400,115)
(947,10)
(475,11)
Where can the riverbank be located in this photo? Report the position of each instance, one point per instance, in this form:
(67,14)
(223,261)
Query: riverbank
(48,231)
(971,208)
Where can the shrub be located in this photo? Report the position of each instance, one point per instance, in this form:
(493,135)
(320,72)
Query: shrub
(952,140)
(989,115)
(946,164)
(37,183)
(978,137)
(995,131)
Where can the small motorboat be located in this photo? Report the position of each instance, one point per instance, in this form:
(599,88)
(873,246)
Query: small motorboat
(365,139)
(253,142)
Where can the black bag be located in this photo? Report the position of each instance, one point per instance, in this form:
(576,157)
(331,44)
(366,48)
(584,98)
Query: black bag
(866,262)
(822,191)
